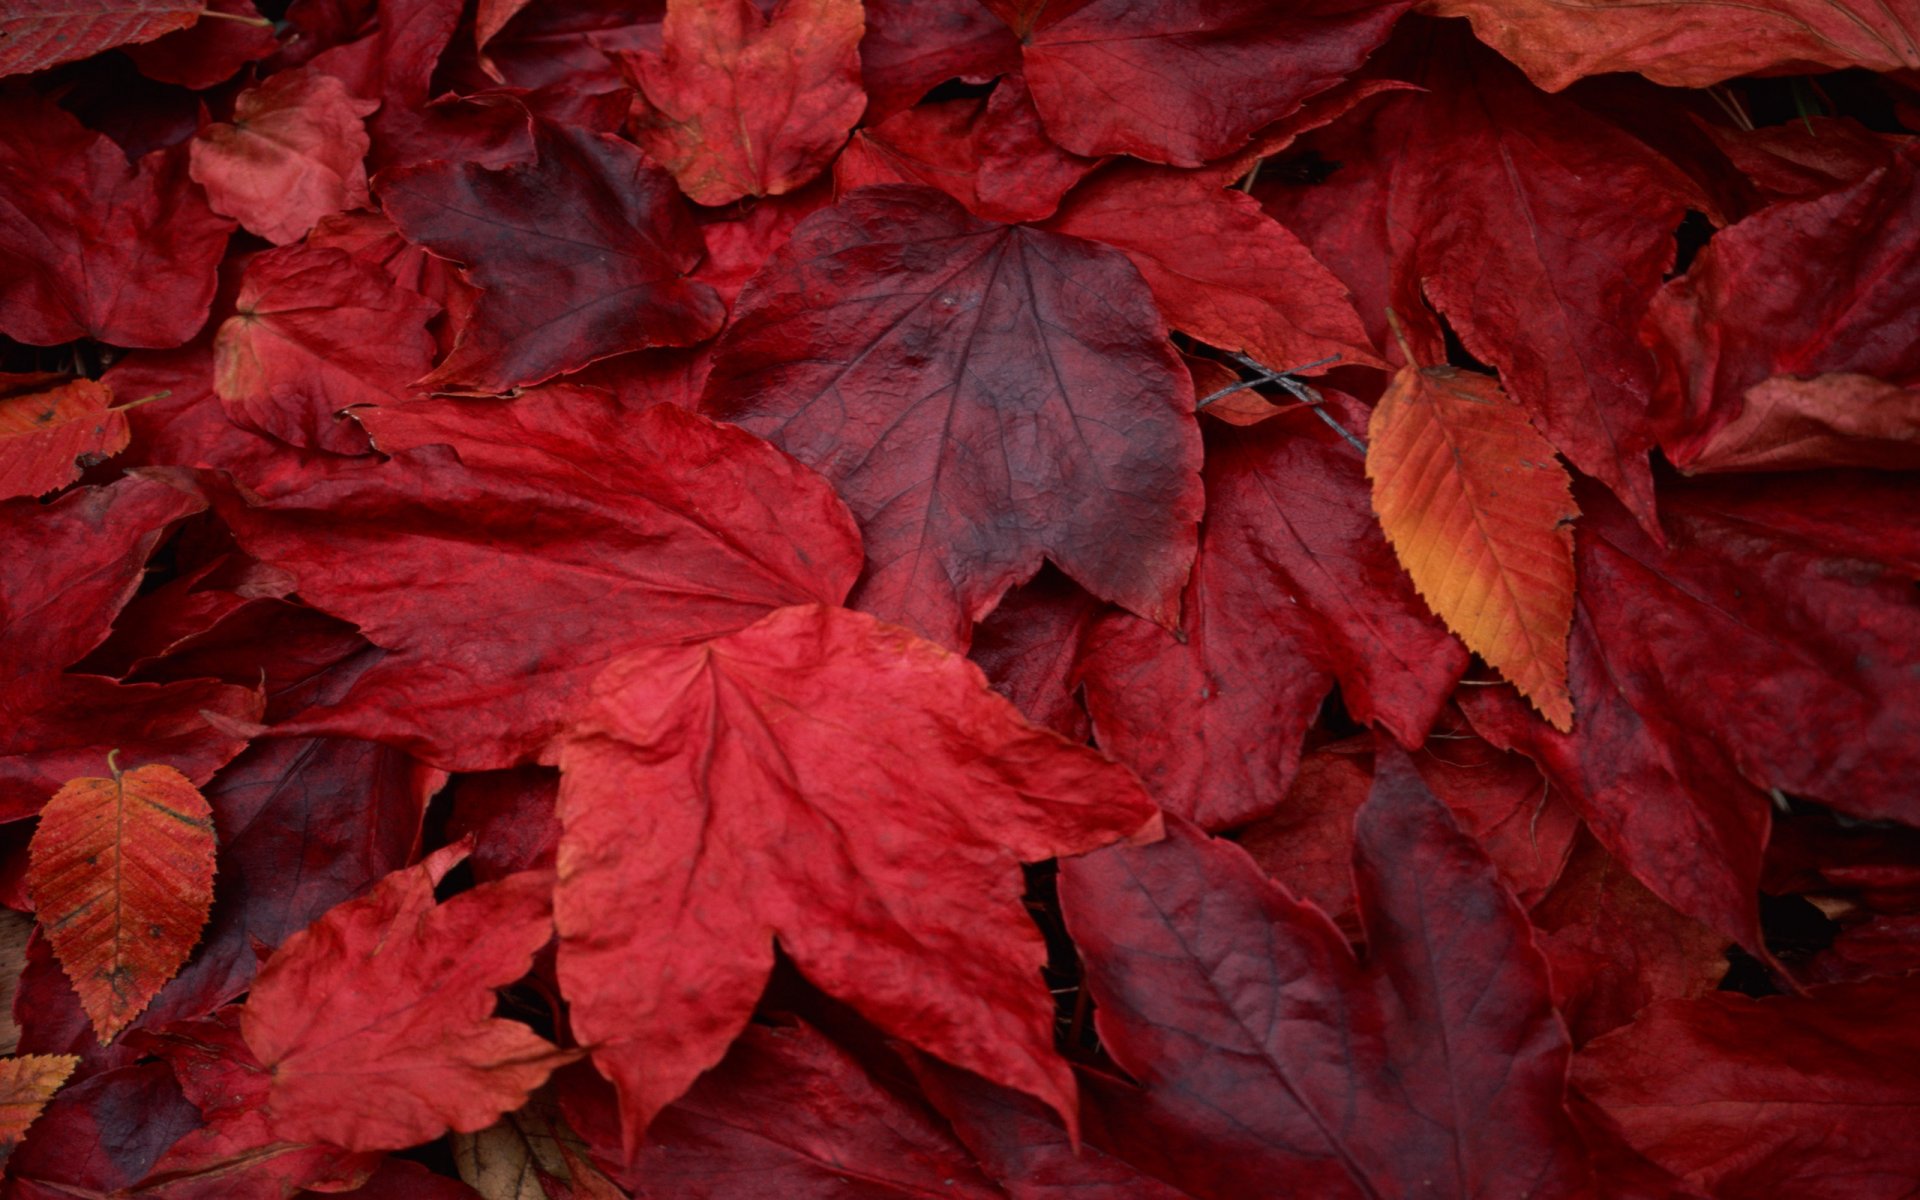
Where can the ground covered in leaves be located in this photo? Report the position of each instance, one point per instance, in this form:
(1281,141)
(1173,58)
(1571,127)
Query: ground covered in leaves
(962,598)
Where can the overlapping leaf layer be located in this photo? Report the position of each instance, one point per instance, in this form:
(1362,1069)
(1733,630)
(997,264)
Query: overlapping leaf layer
(1009,599)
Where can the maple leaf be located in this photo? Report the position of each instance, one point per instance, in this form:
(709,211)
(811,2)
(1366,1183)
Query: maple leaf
(1184,81)
(36,34)
(1778,312)
(376,1020)
(742,104)
(85,224)
(121,873)
(983,397)
(612,531)
(1437,1063)
(1808,1095)
(1690,44)
(294,153)
(26,1084)
(717,797)
(315,332)
(51,427)
(1477,509)
(1294,589)
(581,254)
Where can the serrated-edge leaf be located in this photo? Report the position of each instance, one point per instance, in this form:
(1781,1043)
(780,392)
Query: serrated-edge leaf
(121,870)
(1478,510)
(36,34)
(26,1084)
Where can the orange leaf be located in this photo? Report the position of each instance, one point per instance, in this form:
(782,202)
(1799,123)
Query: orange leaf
(1478,509)
(121,870)
(26,1084)
(45,431)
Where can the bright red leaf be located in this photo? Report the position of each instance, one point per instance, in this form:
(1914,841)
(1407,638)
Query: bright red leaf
(743,104)
(51,428)
(236,1152)
(95,246)
(1221,269)
(122,882)
(292,155)
(984,397)
(1185,81)
(581,254)
(682,530)
(376,1021)
(316,332)
(718,797)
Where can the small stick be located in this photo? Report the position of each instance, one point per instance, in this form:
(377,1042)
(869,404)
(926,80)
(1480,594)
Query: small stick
(1294,387)
(160,395)
(242,18)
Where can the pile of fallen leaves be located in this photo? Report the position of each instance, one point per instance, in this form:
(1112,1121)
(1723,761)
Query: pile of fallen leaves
(961,598)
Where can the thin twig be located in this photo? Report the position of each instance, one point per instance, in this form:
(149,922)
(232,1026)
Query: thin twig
(1299,391)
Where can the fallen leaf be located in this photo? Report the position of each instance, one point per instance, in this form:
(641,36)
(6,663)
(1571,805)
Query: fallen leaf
(1808,1095)
(316,332)
(1267,1051)
(37,34)
(1690,44)
(101,248)
(897,346)
(51,428)
(718,797)
(122,880)
(1295,589)
(26,1084)
(682,530)
(1220,268)
(376,1021)
(744,104)
(1477,509)
(589,218)
(1188,80)
(294,153)
(1800,290)
(837,1124)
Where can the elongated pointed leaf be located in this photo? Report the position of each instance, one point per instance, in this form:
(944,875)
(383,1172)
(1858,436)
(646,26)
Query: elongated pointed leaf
(122,872)
(1477,509)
